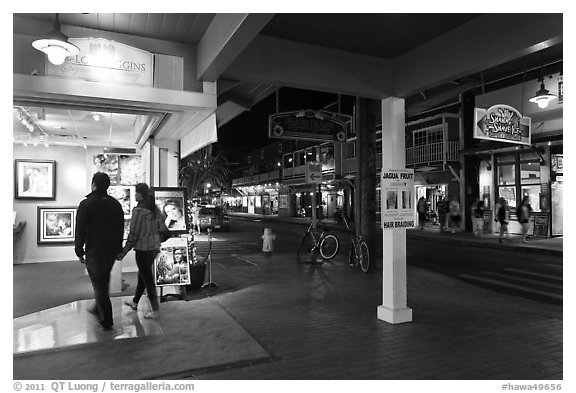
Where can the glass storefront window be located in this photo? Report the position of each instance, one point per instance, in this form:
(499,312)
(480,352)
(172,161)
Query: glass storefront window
(506,174)
(530,173)
(533,192)
(509,193)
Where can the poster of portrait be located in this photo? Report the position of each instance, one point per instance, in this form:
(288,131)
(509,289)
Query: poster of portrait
(56,225)
(391,200)
(126,195)
(171,201)
(406,200)
(131,169)
(107,163)
(35,179)
(171,265)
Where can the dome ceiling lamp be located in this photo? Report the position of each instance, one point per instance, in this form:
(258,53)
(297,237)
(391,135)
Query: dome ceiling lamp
(56,45)
(543,96)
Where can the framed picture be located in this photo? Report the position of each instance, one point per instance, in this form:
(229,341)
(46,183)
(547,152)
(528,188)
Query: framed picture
(126,195)
(172,203)
(34,179)
(107,163)
(123,170)
(171,265)
(56,225)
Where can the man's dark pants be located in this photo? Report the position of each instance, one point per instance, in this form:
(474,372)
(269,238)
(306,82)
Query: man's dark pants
(99,269)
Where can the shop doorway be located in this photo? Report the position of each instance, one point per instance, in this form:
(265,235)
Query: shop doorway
(431,192)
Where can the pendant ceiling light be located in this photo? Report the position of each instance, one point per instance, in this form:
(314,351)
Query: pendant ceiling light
(56,45)
(543,96)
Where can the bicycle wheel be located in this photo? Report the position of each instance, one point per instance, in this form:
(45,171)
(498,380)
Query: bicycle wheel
(329,246)
(364,256)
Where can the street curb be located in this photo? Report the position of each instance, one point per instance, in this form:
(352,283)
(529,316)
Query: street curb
(440,238)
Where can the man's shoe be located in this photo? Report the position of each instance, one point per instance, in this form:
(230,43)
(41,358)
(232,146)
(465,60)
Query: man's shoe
(132,305)
(104,327)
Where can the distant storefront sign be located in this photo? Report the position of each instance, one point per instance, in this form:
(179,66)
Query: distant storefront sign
(102,60)
(310,125)
(502,123)
(558,164)
(397,187)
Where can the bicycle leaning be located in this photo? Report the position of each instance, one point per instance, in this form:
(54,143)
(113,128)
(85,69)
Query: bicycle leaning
(324,243)
(359,253)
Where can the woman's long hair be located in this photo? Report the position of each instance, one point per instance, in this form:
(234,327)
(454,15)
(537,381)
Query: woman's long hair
(148,200)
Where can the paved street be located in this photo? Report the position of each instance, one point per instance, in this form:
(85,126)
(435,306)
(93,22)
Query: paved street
(524,274)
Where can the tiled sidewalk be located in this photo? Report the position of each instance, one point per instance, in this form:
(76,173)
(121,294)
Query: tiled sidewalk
(320,323)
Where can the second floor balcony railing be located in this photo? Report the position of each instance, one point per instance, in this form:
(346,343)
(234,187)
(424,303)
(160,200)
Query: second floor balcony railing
(433,153)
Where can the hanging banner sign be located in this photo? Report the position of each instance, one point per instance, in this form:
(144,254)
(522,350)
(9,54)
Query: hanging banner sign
(397,188)
(102,60)
(313,172)
(502,123)
(309,125)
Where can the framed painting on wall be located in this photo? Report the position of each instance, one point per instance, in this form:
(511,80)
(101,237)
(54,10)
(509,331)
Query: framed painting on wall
(126,195)
(107,163)
(34,179)
(171,201)
(56,225)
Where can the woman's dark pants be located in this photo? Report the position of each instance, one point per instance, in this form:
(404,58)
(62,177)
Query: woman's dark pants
(145,262)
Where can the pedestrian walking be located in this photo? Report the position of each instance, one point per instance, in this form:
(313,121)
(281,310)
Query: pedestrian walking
(422,208)
(524,213)
(98,239)
(503,217)
(454,215)
(196,218)
(145,227)
(442,207)
(477,216)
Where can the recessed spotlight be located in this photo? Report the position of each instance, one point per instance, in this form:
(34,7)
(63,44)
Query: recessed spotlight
(59,128)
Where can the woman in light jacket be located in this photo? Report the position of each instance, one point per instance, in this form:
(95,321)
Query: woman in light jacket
(145,239)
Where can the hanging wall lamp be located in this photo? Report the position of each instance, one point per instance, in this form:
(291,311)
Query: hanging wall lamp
(543,96)
(56,45)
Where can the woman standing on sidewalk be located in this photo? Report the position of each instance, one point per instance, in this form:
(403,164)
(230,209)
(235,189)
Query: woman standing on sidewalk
(503,217)
(144,237)
(524,212)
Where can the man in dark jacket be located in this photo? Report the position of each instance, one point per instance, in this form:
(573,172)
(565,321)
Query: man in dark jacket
(99,232)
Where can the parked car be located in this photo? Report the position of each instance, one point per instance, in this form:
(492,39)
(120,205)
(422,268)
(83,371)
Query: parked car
(213,217)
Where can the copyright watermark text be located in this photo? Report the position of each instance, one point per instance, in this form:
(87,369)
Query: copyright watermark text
(69,386)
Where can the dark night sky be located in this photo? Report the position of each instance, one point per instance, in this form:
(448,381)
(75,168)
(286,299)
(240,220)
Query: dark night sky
(249,131)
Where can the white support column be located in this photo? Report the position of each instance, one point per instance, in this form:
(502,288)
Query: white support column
(394,286)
